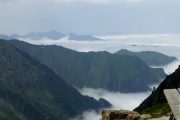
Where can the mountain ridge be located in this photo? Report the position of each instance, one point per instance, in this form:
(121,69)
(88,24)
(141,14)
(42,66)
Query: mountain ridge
(33,91)
(151,58)
(94,69)
(53,35)
(157,100)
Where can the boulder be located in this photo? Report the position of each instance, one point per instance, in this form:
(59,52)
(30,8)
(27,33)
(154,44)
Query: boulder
(120,115)
(145,116)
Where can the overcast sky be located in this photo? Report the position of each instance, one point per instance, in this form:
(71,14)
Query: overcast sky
(90,16)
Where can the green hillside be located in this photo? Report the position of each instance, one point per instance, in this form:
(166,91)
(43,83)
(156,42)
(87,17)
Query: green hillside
(149,57)
(156,103)
(31,91)
(94,69)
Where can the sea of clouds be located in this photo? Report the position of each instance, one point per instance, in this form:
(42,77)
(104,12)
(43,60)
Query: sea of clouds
(168,44)
(126,101)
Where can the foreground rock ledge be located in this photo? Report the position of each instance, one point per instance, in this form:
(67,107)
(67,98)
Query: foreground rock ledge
(123,115)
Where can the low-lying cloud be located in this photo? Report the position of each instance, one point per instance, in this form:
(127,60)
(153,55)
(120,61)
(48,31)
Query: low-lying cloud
(168,44)
(127,101)
(170,68)
(119,100)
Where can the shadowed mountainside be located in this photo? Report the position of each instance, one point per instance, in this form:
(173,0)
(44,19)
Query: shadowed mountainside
(94,69)
(31,91)
(156,101)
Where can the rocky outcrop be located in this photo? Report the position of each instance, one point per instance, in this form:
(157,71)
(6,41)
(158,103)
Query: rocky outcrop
(123,115)
(145,116)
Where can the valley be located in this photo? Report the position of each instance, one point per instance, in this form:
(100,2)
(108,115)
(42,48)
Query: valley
(89,59)
(56,57)
(115,97)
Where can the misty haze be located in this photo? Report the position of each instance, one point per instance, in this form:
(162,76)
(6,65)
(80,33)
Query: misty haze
(113,44)
(89,59)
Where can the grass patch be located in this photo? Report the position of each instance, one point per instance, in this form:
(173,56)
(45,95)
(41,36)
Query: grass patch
(157,110)
(6,113)
(43,95)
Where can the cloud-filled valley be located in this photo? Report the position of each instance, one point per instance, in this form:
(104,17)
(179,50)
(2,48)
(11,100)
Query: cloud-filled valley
(72,59)
(113,44)
(127,101)
(165,43)
(117,99)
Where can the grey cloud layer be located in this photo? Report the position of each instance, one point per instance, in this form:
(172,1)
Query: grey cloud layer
(101,17)
(89,1)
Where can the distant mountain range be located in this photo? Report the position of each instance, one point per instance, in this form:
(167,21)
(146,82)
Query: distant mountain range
(31,91)
(73,36)
(156,103)
(151,58)
(113,72)
(54,35)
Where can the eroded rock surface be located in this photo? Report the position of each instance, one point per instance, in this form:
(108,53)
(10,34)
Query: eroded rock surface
(123,115)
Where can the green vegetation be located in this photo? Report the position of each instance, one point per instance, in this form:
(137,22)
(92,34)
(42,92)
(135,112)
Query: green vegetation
(7,113)
(157,110)
(34,92)
(149,57)
(156,102)
(94,69)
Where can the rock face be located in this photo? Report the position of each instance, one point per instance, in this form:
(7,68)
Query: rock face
(119,115)
(145,116)
(123,115)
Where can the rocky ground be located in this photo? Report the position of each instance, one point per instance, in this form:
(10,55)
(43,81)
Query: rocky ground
(161,118)
(128,115)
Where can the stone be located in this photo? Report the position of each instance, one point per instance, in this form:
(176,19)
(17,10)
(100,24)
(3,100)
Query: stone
(119,115)
(145,116)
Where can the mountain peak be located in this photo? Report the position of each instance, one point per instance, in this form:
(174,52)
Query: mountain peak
(73,36)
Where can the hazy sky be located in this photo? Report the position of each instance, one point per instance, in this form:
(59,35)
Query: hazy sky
(90,16)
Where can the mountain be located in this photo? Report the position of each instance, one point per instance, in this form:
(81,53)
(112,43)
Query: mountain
(6,37)
(54,35)
(94,69)
(156,102)
(9,37)
(151,58)
(31,91)
(73,36)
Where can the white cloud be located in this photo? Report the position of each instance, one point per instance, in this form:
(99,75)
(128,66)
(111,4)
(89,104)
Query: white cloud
(168,44)
(115,98)
(103,1)
(84,1)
